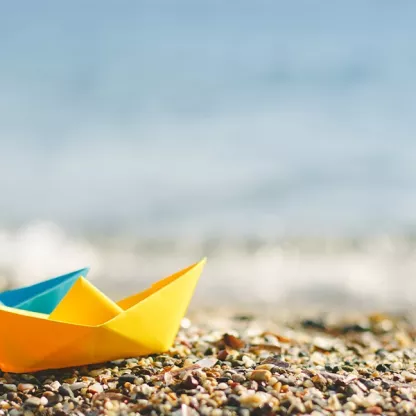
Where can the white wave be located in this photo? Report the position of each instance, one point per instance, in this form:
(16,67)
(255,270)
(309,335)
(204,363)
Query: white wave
(378,273)
(40,250)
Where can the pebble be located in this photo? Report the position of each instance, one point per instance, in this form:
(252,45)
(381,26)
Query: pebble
(382,367)
(190,383)
(253,399)
(248,362)
(33,402)
(308,383)
(11,396)
(397,366)
(96,372)
(374,410)
(334,403)
(78,386)
(238,378)
(25,387)
(96,388)
(261,375)
(408,376)
(55,385)
(5,405)
(65,390)
(351,406)
(274,381)
(127,378)
(52,397)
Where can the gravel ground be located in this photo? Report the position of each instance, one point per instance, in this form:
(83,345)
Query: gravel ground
(331,366)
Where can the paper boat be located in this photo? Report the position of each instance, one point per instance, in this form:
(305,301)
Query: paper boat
(87,327)
(42,297)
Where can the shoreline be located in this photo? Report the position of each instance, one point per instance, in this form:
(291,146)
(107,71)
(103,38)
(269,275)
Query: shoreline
(366,274)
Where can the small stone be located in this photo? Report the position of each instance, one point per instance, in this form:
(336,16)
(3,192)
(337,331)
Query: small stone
(207,362)
(190,383)
(233,400)
(314,324)
(127,378)
(70,380)
(96,372)
(403,339)
(308,383)
(233,342)
(238,378)
(248,362)
(11,396)
(267,366)
(296,405)
(33,402)
(277,387)
(10,387)
(274,380)
(55,385)
(334,403)
(261,375)
(25,387)
(321,343)
(374,410)
(66,391)
(397,366)
(351,406)
(185,323)
(108,405)
(254,400)
(95,388)
(78,386)
(118,362)
(5,405)
(52,397)
(30,378)
(408,376)
(406,407)
(318,358)
(382,367)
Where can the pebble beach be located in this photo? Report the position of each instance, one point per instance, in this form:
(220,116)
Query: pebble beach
(276,140)
(241,364)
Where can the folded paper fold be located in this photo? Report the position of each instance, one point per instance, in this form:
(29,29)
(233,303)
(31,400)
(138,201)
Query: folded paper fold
(87,327)
(41,297)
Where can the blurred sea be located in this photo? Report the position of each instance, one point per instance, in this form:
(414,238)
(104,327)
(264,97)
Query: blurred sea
(277,138)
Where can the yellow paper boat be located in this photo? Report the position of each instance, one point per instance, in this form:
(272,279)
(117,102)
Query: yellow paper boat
(87,327)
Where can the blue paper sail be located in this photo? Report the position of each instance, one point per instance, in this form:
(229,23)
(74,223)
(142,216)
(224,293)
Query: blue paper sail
(41,297)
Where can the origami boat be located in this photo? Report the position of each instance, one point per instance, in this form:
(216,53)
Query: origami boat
(86,327)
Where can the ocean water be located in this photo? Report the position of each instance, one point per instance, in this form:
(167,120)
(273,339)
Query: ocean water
(276,137)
